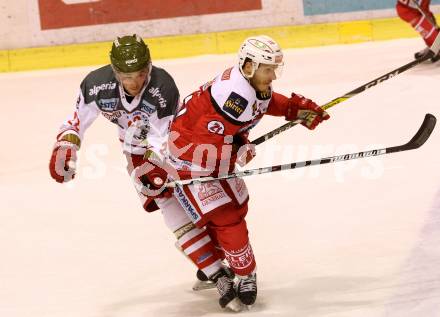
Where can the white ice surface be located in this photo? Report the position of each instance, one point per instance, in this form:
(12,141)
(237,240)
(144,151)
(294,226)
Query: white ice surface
(357,239)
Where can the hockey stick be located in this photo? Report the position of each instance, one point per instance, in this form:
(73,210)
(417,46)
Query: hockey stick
(417,141)
(348,95)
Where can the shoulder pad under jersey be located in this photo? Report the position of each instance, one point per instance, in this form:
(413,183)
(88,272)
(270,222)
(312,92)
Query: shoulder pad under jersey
(233,97)
(161,93)
(100,82)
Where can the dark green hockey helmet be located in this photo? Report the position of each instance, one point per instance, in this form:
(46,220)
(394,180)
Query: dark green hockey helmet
(129,54)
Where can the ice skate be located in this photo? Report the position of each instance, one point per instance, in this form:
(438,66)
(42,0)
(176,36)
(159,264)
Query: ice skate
(203,282)
(435,58)
(247,289)
(225,287)
(424,52)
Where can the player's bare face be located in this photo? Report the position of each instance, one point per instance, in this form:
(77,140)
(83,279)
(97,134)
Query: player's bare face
(133,82)
(263,77)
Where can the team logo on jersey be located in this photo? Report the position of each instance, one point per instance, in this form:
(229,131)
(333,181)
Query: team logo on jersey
(108,104)
(235,105)
(139,125)
(96,89)
(216,127)
(147,107)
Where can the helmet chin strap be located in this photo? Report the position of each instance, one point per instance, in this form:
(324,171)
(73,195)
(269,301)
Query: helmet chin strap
(150,67)
(249,76)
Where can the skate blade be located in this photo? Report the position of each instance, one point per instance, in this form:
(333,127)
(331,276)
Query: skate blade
(235,305)
(248,307)
(202,285)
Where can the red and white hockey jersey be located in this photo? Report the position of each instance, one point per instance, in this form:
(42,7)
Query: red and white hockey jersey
(209,119)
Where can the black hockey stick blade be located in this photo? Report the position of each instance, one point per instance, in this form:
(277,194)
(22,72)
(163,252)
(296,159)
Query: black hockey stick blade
(420,137)
(416,141)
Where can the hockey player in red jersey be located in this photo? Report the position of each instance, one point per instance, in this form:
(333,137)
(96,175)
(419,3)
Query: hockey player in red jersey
(210,135)
(141,100)
(418,14)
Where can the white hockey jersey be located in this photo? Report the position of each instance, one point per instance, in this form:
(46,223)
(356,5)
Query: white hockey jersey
(143,123)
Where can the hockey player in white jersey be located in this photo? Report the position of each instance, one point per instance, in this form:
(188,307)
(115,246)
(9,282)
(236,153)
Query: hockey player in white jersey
(141,100)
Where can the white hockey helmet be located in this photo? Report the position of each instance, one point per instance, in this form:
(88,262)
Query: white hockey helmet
(260,49)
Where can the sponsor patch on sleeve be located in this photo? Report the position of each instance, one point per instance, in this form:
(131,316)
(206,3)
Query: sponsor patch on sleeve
(235,105)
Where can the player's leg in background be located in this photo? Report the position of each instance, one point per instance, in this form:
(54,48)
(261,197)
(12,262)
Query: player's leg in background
(194,242)
(424,4)
(423,23)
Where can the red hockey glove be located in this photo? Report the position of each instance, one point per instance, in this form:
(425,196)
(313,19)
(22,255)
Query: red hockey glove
(243,149)
(306,110)
(62,164)
(151,176)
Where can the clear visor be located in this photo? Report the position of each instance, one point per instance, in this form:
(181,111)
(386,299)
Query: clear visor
(276,68)
(279,69)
